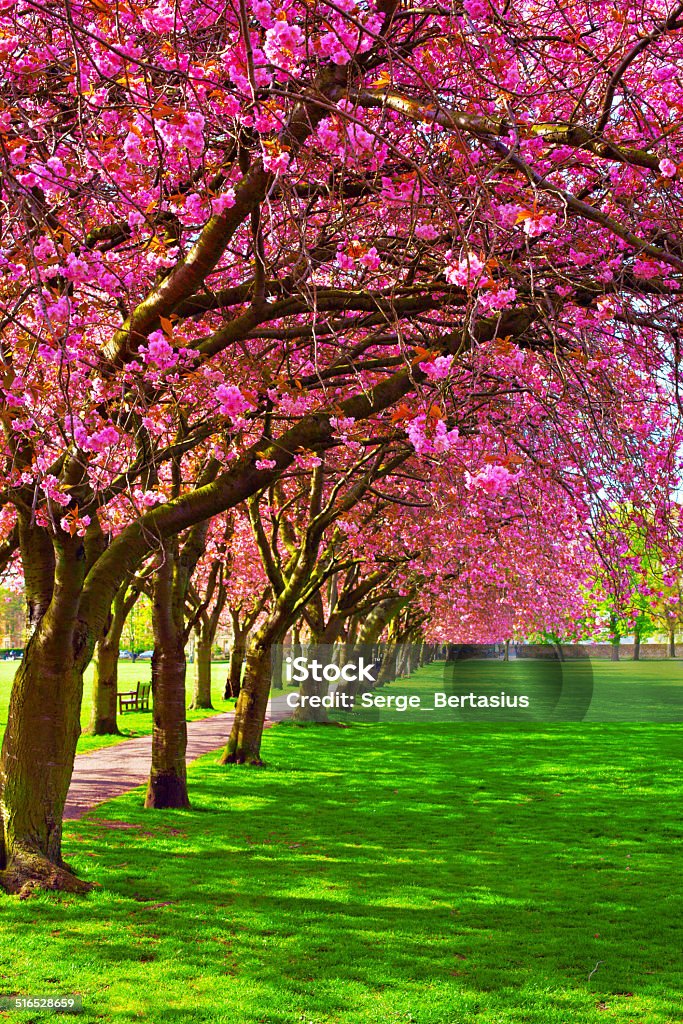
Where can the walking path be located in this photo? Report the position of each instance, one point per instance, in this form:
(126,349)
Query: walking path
(111,771)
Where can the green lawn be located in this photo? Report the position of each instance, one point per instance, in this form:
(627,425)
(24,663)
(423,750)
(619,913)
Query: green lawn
(436,873)
(132,723)
(628,691)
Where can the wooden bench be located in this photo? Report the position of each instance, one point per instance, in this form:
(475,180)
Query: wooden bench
(135,700)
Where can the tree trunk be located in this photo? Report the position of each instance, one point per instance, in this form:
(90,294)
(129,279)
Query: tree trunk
(233,684)
(105,682)
(297,647)
(244,745)
(558,650)
(636,646)
(201,693)
(103,721)
(43,722)
(306,713)
(615,649)
(167,786)
(389,667)
(39,745)
(276,682)
(672,643)
(506,651)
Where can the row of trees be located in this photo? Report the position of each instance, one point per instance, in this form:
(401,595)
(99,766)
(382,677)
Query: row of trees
(392,290)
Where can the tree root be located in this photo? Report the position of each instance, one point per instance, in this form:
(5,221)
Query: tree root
(29,873)
(243,760)
(167,792)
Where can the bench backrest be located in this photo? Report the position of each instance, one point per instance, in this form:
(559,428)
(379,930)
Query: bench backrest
(143,690)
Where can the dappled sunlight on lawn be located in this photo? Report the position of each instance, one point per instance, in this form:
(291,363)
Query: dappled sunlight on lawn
(382,873)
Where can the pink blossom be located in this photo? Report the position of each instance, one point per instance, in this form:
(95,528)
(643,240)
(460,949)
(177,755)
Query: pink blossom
(497,299)
(223,202)
(77,525)
(370,259)
(284,45)
(149,498)
(467,272)
(159,352)
(581,259)
(191,134)
(276,162)
(56,166)
(76,269)
(51,486)
(332,46)
(476,9)
(328,135)
(428,437)
(263,12)
(342,423)
(535,226)
(193,210)
(265,463)
(105,438)
(426,232)
(437,369)
(507,213)
(160,18)
(232,401)
(668,167)
(646,269)
(135,219)
(494,480)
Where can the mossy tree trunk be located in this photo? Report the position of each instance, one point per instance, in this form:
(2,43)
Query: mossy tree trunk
(277,668)
(244,744)
(43,723)
(314,614)
(238,651)
(103,718)
(310,687)
(343,602)
(201,689)
(297,648)
(167,786)
(366,633)
(294,584)
(306,712)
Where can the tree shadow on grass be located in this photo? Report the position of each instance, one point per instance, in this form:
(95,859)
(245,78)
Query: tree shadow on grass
(397,872)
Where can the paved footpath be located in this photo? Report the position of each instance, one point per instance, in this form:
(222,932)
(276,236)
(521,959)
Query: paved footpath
(111,771)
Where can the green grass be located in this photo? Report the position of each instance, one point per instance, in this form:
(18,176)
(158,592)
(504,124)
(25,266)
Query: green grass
(381,874)
(132,723)
(601,691)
